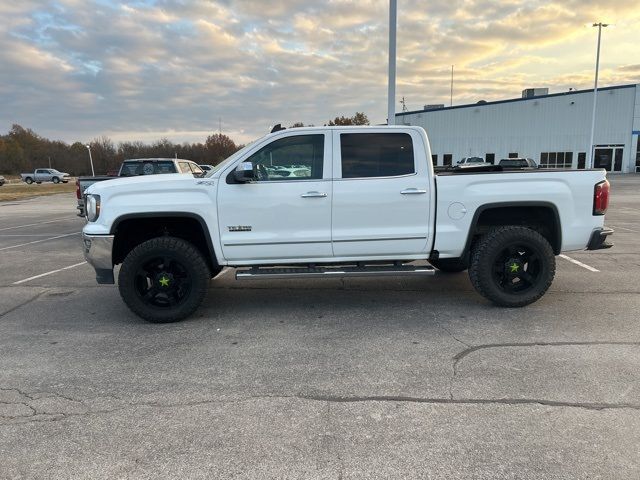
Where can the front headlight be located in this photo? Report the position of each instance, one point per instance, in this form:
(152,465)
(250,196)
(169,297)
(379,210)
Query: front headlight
(92,207)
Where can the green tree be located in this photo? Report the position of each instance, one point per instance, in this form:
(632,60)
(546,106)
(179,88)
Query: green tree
(218,147)
(359,118)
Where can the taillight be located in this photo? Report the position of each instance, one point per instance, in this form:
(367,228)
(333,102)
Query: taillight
(601,197)
(78,195)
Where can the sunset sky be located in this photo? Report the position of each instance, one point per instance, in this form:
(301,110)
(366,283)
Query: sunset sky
(78,69)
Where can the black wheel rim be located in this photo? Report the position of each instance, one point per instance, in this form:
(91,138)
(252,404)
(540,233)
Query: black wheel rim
(518,268)
(163,282)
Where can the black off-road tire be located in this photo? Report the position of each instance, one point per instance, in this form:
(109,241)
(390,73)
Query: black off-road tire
(182,252)
(55,180)
(28,180)
(449,265)
(485,257)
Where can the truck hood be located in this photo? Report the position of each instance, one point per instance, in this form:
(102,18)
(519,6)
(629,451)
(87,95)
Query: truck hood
(142,183)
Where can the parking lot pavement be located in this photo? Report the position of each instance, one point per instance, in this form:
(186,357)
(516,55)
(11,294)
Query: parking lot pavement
(362,378)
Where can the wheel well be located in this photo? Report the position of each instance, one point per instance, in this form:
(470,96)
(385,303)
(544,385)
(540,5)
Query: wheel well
(541,218)
(131,232)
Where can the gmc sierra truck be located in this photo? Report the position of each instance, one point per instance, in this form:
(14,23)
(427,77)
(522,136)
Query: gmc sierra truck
(356,201)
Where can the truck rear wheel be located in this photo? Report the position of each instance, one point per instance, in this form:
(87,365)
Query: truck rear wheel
(449,265)
(164,279)
(512,266)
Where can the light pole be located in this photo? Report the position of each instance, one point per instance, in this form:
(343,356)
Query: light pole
(391,95)
(595,94)
(93,173)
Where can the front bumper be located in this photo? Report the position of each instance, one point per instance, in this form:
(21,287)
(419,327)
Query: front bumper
(98,252)
(598,239)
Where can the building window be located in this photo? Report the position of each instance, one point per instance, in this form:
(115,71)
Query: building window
(490,158)
(513,155)
(582,158)
(556,159)
(434,160)
(448,158)
(568,159)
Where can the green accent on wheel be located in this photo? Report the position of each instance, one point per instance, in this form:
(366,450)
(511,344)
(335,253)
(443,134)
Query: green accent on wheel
(164,282)
(514,267)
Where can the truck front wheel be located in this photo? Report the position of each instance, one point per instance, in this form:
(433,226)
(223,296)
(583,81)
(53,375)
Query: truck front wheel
(512,266)
(28,180)
(164,279)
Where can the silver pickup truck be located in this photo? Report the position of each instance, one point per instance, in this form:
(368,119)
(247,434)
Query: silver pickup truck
(45,175)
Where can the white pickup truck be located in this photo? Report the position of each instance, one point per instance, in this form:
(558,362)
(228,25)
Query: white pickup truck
(339,201)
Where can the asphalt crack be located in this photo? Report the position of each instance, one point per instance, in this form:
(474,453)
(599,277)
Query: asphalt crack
(461,355)
(24,304)
(472,401)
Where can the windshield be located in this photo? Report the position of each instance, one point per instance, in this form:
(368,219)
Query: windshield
(228,160)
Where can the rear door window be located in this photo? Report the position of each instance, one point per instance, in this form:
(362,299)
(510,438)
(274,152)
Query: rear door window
(366,155)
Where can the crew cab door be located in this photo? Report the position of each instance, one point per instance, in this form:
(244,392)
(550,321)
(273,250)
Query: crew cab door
(286,212)
(381,194)
(42,175)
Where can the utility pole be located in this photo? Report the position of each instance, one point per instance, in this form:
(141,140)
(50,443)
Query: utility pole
(220,125)
(595,95)
(49,162)
(404,104)
(391,94)
(93,173)
(451,99)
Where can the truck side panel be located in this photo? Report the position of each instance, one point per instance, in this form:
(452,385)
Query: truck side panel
(460,196)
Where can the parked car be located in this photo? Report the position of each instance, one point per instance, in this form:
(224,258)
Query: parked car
(471,160)
(371,206)
(45,175)
(2,180)
(135,167)
(518,163)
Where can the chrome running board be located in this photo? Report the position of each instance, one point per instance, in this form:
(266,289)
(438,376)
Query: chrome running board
(330,271)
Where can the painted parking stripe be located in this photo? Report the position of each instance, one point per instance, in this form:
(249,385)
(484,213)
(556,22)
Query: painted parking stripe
(580,264)
(625,228)
(38,241)
(33,224)
(48,273)
(19,235)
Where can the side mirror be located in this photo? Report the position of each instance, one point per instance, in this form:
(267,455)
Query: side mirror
(244,173)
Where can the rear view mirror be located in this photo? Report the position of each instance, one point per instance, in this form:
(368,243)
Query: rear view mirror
(244,173)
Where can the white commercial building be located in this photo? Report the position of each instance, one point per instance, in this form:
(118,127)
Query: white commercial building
(553,129)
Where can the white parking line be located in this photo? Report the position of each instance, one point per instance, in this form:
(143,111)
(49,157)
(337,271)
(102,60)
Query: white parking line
(48,273)
(33,224)
(12,235)
(624,228)
(580,264)
(38,241)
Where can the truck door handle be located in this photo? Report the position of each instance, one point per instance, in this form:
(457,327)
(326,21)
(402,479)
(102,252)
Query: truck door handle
(313,194)
(412,191)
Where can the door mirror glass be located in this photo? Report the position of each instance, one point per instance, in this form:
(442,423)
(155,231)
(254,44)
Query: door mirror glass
(244,173)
